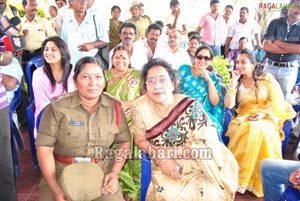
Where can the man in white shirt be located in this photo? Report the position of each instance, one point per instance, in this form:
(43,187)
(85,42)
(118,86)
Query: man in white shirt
(174,54)
(242,28)
(144,50)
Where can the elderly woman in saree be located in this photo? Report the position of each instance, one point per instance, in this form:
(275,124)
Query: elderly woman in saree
(200,82)
(125,83)
(256,132)
(175,131)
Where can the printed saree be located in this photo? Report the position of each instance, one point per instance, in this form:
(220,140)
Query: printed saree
(252,141)
(127,88)
(197,87)
(211,176)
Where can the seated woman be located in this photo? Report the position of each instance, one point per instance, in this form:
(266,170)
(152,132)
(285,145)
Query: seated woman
(188,161)
(55,77)
(82,124)
(198,82)
(256,132)
(125,83)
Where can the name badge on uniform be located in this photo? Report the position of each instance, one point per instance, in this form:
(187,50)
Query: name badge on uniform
(76,123)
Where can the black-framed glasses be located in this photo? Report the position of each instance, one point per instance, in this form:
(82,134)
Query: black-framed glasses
(200,57)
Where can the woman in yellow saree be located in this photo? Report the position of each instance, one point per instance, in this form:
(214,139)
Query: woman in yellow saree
(125,83)
(188,161)
(256,132)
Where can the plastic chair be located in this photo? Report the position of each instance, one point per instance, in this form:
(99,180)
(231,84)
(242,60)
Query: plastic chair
(145,175)
(290,194)
(15,134)
(286,129)
(34,63)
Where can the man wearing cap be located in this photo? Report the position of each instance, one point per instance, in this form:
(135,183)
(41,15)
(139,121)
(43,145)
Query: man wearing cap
(282,46)
(141,22)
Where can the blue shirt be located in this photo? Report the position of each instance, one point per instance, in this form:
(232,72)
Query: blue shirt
(75,35)
(279,29)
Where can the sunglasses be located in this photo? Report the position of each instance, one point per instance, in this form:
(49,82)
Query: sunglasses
(200,57)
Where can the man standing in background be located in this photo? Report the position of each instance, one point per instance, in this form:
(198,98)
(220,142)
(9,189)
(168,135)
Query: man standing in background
(282,46)
(212,24)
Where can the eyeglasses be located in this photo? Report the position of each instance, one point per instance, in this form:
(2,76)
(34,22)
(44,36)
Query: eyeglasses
(151,82)
(127,34)
(200,57)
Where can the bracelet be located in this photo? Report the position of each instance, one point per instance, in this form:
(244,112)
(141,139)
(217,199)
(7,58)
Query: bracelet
(231,91)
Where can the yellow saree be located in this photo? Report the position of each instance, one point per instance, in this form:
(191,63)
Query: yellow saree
(252,141)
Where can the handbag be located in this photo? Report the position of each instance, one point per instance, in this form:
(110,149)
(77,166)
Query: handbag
(102,53)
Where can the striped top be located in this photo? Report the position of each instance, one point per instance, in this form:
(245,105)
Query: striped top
(3,99)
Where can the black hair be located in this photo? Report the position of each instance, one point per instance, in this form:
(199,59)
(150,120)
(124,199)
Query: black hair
(127,24)
(24,3)
(154,26)
(213,2)
(228,6)
(205,47)
(192,33)
(65,61)
(245,8)
(82,62)
(115,7)
(174,3)
(257,71)
(55,8)
(167,66)
(242,38)
(121,47)
(160,23)
(195,37)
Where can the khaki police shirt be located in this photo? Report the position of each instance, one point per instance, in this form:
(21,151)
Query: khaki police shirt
(68,127)
(38,30)
(141,27)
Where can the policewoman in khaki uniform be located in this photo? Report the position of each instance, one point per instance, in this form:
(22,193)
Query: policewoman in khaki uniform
(82,126)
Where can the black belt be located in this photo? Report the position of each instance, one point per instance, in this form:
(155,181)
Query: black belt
(33,51)
(286,64)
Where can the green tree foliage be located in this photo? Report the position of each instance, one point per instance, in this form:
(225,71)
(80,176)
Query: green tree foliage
(22,12)
(221,66)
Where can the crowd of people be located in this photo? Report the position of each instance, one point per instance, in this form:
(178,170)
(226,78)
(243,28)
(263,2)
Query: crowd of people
(125,87)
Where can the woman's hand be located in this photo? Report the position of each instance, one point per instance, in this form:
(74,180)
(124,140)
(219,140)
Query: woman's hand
(257,116)
(170,168)
(59,195)
(111,183)
(127,107)
(235,75)
(203,73)
(294,179)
